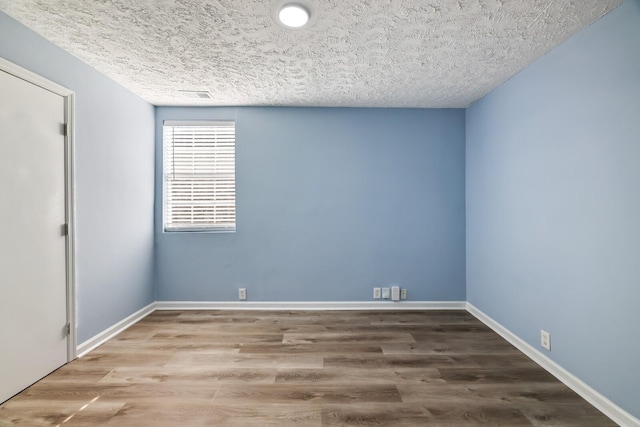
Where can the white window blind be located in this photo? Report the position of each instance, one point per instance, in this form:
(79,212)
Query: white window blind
(199,176)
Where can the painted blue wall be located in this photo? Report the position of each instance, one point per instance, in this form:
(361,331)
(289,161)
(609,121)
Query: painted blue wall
(114,167)
(553,204)
(330,203)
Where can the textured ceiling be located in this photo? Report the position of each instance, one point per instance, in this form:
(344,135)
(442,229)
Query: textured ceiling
(376,53)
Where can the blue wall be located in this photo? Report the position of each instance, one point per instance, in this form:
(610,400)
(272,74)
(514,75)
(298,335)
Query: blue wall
(114,181)
(330,203)
(553,204)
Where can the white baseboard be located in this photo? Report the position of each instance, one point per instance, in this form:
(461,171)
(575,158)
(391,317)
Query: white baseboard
(310,305)
(606,406)
(114,330)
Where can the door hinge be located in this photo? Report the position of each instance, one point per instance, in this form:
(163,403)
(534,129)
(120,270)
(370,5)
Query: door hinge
(65,229)
(65,129)
(68,329)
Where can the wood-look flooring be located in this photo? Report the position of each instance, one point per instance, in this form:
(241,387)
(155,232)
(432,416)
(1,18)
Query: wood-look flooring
(250,368)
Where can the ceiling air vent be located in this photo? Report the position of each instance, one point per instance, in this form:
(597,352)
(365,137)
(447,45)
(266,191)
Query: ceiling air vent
(196,94)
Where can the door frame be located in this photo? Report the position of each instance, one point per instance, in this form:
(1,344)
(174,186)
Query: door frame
(69,114)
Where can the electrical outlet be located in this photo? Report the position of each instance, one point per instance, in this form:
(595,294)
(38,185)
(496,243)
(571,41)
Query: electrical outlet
(386,294)
(395,293)
(242,293)
(545,339)
(403,293)
(377,293)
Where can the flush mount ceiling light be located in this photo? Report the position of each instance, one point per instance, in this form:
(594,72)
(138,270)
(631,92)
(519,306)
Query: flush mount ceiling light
(293,15)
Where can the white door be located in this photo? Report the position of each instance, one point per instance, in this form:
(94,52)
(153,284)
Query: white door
(33,290)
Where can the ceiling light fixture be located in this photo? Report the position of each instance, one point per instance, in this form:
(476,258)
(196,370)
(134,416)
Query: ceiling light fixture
(293,15)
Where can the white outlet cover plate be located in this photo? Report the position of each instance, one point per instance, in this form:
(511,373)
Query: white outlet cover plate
(545,339)
(386,293)
(395,293)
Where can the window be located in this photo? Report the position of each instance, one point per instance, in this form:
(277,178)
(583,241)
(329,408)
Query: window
(199,176)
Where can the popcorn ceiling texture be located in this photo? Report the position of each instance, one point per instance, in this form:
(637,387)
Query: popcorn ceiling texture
(378,53)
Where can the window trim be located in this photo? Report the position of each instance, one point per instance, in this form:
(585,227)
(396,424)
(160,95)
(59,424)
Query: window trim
(195,228)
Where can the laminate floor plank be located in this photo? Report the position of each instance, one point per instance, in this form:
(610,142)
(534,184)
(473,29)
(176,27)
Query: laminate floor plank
(308,393)
(178,412)
(477,416)
(495,376)
(378,414)
(511,360)
(341,376)
(317,349)
(566,415)
(443,346)
(302,368)
(54,412)
(189,376)
(528,392)
(73,373)
(272,415)
(347,337)
(399,361)
(444,396)
(270,328)
(208,360)
(158,392)
(216,337)
(167,346)
(103,358)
